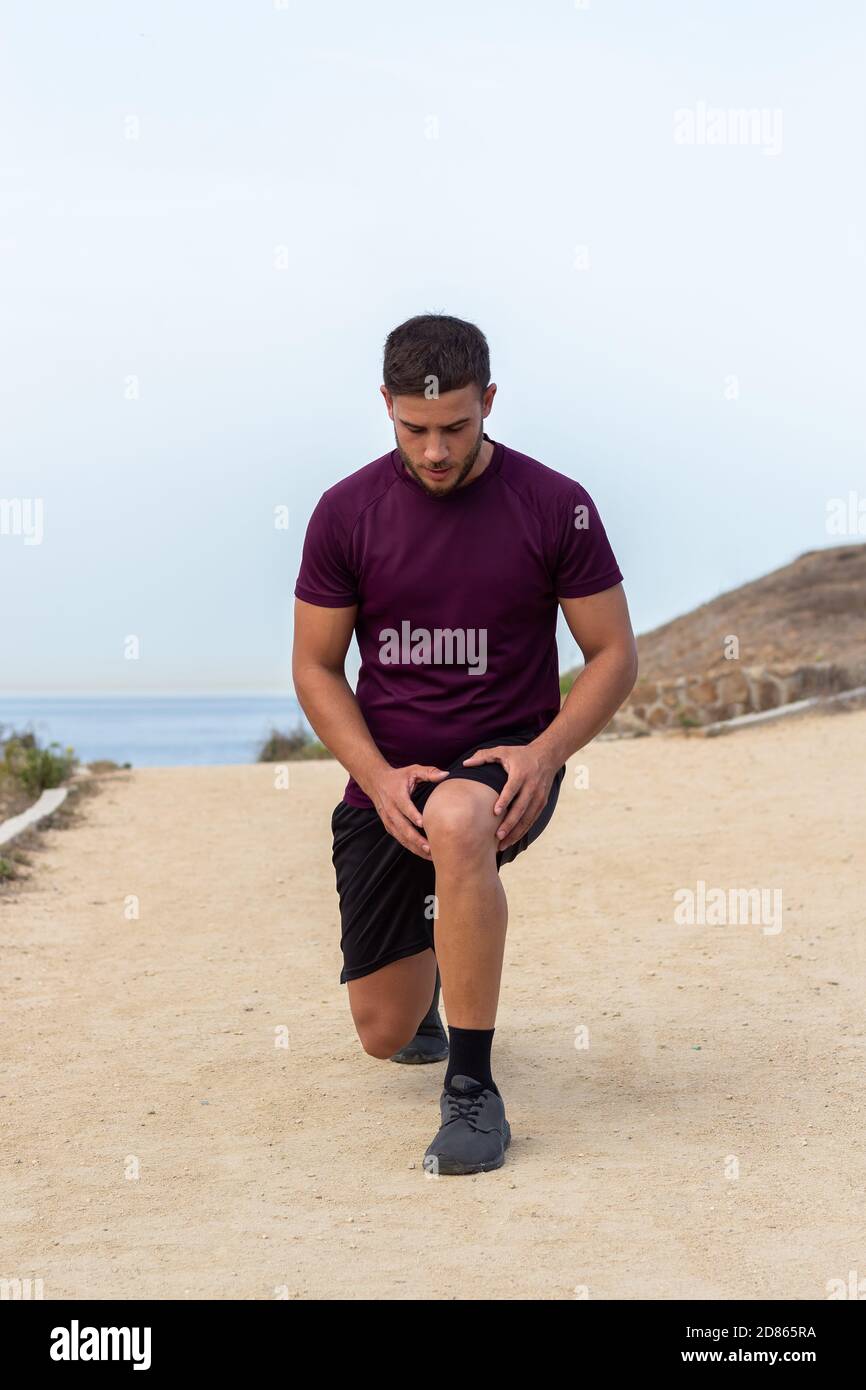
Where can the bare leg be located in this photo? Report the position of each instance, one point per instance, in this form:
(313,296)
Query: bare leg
(470,927)
(388,1005)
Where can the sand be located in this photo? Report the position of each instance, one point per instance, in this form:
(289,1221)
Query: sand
(158,1139)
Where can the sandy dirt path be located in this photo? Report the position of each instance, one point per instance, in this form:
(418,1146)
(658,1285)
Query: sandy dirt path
(158,1140)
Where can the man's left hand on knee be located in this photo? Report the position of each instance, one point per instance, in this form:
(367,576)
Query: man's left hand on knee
(526,792)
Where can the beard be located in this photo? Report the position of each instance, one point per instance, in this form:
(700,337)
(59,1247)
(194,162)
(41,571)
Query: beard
(458,472)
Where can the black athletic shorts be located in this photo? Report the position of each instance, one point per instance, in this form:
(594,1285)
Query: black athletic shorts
(386,892)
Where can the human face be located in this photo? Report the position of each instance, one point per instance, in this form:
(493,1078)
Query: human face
(440,441)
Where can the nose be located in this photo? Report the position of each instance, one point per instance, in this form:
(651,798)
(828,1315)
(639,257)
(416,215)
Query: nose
(436,452)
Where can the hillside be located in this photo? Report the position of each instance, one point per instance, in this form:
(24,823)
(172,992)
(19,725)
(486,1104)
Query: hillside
(801,631)
(809,611)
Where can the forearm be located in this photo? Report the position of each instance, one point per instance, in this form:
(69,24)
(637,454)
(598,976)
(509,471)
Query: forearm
(591,703)
(329,703)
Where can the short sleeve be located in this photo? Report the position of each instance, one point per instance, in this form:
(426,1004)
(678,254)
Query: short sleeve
(326,576)
(583,561)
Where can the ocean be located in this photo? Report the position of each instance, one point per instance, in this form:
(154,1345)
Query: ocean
(154,730)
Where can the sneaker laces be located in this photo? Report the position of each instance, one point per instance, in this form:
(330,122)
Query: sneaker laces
(465,1107)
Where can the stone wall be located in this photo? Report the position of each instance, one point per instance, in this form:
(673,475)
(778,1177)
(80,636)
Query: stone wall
(691,701)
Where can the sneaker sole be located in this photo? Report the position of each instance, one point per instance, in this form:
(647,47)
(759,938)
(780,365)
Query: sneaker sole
(454,1170)
(409,1057)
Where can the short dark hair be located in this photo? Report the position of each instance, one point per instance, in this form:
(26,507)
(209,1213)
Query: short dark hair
(435,345)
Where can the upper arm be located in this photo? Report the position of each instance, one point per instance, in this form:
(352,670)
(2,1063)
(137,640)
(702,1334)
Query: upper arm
(322,636)
(601,620)
(586,577)
(326,591)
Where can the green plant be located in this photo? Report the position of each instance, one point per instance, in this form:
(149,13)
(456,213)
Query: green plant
(37,768)
(293,747)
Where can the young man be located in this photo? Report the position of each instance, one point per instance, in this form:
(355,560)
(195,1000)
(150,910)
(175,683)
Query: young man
(448,557)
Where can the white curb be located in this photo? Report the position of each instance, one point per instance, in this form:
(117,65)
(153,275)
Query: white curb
(48,802)
(744,721)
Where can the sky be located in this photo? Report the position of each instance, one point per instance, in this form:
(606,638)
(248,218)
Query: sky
(212,214)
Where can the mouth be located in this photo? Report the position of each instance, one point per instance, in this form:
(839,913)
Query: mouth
(438,472)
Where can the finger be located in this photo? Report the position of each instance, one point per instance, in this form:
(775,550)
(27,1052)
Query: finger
(514,817)
(400,828)
(508,793)
(484,755)
(517,833)
(418,847)
(405,806)
(415,774)
(522,814)
(419,772)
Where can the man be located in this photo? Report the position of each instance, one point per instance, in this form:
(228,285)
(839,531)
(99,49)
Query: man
(448,557)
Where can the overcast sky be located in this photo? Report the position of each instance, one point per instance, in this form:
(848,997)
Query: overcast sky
(213,213)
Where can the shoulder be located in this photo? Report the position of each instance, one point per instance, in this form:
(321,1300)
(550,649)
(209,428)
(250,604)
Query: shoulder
(539,486)
(365,485)
(347,499)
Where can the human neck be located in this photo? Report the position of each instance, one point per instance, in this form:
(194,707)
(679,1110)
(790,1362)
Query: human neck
(485,454)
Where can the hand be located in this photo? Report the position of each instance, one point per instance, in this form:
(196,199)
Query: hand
(390,792)
(526,791)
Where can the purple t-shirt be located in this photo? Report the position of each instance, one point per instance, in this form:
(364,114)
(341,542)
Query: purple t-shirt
(457,598)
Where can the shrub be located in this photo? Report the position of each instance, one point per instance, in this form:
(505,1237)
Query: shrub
(293,747)
(36,768)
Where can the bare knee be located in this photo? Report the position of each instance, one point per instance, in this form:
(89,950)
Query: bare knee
(461,823)
(382,1036)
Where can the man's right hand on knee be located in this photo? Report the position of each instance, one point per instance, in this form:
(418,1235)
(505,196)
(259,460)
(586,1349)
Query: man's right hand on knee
(391,793)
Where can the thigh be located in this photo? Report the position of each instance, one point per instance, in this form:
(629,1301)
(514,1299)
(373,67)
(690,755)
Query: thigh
(395,996)
(386,894)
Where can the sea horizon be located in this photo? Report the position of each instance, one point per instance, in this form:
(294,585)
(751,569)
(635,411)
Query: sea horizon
(154,728)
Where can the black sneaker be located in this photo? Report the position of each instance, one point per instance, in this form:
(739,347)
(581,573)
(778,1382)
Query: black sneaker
(430,1043)
(474,1133)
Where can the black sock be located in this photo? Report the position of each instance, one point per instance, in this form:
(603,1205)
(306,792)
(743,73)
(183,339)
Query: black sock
(431,1023)
(469,1055)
